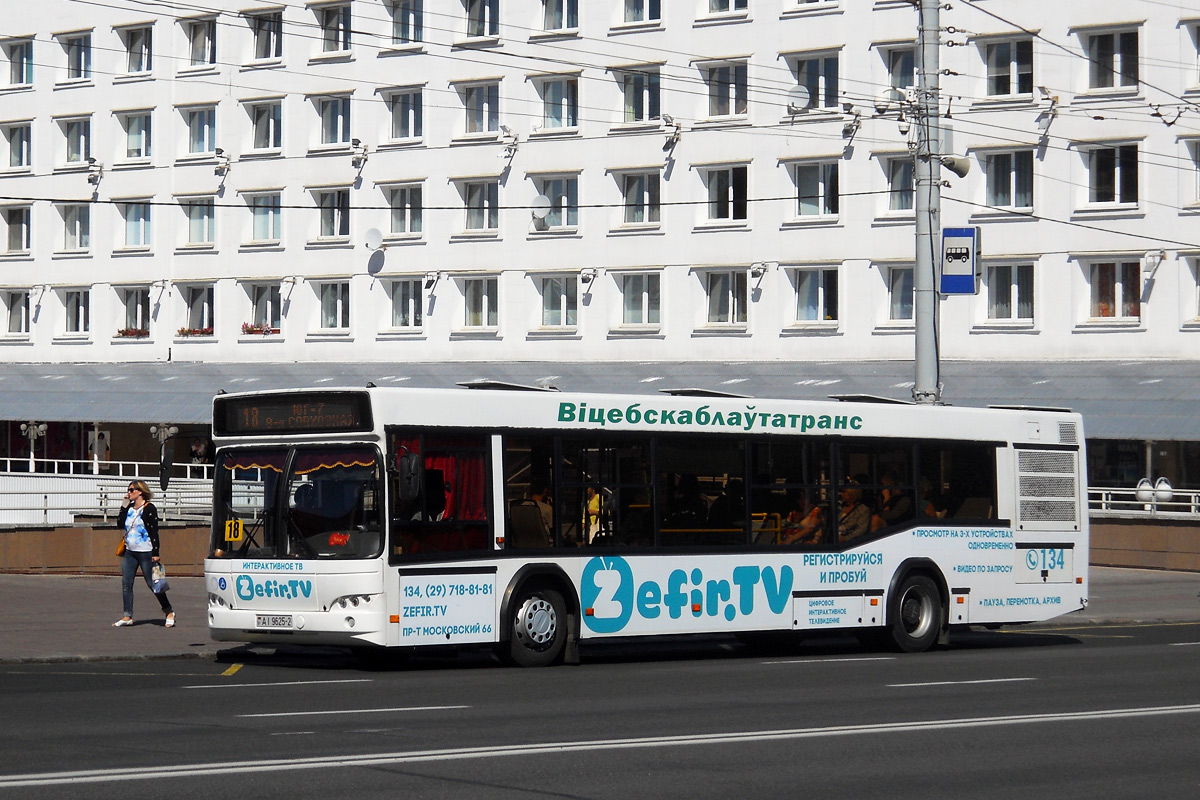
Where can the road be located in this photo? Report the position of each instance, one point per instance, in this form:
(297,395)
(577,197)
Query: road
(1073,712)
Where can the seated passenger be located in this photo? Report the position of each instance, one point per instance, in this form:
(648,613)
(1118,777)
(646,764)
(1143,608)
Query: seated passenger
(894,505)
(854,518)
(803,526)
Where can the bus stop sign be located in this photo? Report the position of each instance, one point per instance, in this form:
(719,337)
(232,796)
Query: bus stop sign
(960,261)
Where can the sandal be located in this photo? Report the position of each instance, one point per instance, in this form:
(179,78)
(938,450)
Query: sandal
(123,622)
(171,620)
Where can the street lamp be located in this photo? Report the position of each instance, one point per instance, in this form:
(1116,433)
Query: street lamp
(33,431)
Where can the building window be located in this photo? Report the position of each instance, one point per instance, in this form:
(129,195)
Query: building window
(18,312)
(1116,291)
(335,28)
(77,227)
(79,56)
(900,294)
(137,223)
(407,112)
(20,63)
(20,144)
(266,217)
(404,203)
(407,303)
(564,201)
(560,301)
(202,221)
(641,95)
(1010,292)
(900,184)
(727,193)
(138,49)
(901,67)
(482,104)
(642,11)
(727,297)
(560,15)
(335,306)
(266,119)
(560,103)
(482,202)
(200,316)
(335,120)
(408,21)
(335,213)
(819,74)
(642,199)
(78,133)
(816,189)
(1010,179)
(483,17)
(816,295)
(1113,59)
(640,299)
(136,304)
(137,134)
(17,224)
(727,89)
(1113,174)
(1010,68)
(482,302)
(265,304)
(266,28)
(79,310)
(725,6)
(202,129)
(202,42)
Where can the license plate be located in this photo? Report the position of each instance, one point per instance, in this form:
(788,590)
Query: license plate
(273,620)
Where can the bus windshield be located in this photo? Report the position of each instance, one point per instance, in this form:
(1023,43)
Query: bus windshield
(303,502)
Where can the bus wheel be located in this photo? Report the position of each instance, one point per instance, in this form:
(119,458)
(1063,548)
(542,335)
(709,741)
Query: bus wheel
(539,628)
(916,615)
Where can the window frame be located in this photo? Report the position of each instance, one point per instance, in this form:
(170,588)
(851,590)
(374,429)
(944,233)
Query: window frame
(77,227)
(201,37)
(18,229)
(1107,66)
(727,87)
(641,196)
(143,136)
(201,215)
(820,292)
(726,297)
(481,106)
(406,112)
(826,203)
(18,312)
(1125,283)
(1011,290)
(642,12)
(77,312)
(19,54)
(727,188)
(407,201)
(333,300)
(77,135)
(268,207)
(406,298)
(335,22)
(901,307)
(142,223)
(407,16)
(487,210)
(1007,72)
(647,287)
(1110,177)
(560,103)
(138,41)
(199,309)
(812,70)
(78,49)
(481,18)
(481,302)
(566,12)
(266,124)
(18,137)
(333,205)
(334,112)
(201,123)
(266,35)
(563,192)
(902,201)
(1006,179)
(641,95)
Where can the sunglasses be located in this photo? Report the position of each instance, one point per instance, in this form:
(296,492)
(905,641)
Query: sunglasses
(132,489)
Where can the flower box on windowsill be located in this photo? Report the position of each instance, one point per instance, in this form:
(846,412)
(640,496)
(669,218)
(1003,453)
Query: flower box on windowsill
(185,332)
(133,333)
(250,329)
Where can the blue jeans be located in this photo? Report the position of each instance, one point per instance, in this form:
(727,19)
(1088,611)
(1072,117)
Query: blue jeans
(129,567)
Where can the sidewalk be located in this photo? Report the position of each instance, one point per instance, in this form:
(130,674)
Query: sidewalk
(69,617)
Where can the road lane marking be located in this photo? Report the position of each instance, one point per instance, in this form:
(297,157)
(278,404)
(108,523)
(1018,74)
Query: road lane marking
(958,683)
(231,671)
(1184,644)
(509,750)
(829,660)
(350,711)
(281,683)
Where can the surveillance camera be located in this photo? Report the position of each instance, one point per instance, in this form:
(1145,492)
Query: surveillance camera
(903,126)
(220,151)
(668,119)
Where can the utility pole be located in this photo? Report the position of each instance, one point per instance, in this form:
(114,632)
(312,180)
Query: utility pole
(927,204)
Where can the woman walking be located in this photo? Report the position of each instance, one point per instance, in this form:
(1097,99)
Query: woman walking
(139,519)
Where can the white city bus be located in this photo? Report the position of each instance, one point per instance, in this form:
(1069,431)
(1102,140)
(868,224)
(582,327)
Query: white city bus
(530,520)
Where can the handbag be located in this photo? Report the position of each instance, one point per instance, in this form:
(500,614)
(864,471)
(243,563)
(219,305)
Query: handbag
(159,576)
(121,547)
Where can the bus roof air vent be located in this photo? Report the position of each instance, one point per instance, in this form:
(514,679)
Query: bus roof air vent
(485,383)
(702,393)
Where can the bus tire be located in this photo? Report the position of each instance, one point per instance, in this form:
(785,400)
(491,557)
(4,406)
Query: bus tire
(917,614)
(539,628)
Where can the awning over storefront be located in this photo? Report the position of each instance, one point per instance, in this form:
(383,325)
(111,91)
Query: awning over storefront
(1155,400)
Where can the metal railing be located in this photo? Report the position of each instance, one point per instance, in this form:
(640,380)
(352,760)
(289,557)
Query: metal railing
(59,496)
(1123,502)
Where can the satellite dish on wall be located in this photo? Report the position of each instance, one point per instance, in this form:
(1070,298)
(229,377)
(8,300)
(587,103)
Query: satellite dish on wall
(540,207)
(374,239)
(798,100)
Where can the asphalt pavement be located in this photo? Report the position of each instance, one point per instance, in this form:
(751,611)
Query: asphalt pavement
(69,617)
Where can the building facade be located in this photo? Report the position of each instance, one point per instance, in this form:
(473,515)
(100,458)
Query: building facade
(551,180)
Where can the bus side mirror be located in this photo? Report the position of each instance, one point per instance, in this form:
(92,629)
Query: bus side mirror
(410,477)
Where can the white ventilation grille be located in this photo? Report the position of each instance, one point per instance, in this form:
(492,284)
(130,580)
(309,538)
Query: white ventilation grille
(1068,433)
(1046,489)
